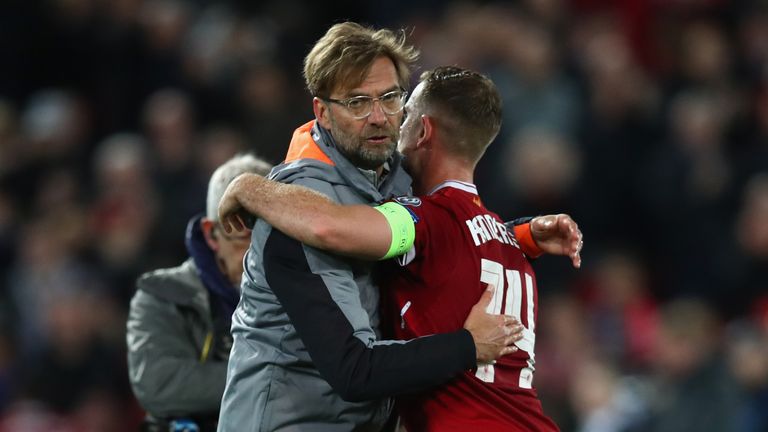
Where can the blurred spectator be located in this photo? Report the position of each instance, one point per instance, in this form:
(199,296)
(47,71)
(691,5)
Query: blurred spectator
(55,131)
(74,365)
(750,271)
(604,401)
(540,174)
(7,360)
(705,55)
(9,137)
(268,109)
(8,242)
(622,312)
(537,94)
(540,116)
(217,145)
(542,170)
(169,121)
(164,23)
(178,328)
(125,209)
(694,389)
(747,350)
(63,360)
(752,231)
(54,123)
(685,196)
(753,38)
(751,155)
(47,268)
(563,345)
(619,125)
(170,128)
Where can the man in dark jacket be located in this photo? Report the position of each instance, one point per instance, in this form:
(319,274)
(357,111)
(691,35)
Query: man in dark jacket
(178,327)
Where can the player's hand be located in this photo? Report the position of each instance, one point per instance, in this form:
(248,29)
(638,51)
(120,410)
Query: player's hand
(558,235)
(494,335)
(232,214)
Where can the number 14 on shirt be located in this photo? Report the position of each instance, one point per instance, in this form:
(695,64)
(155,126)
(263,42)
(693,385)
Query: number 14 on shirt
(509,282)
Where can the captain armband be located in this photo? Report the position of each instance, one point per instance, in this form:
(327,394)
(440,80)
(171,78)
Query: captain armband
(402,226)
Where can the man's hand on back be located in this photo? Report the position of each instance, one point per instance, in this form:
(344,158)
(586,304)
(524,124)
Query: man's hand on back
(494,335)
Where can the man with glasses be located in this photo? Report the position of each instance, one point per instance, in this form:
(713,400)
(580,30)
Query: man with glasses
(306,353)
(360,107)
(449,244)
(178,326)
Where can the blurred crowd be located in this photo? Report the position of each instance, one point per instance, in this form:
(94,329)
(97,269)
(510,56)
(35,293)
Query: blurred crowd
(646,120)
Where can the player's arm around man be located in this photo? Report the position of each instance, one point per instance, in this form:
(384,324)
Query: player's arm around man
(363,231)
(362,371)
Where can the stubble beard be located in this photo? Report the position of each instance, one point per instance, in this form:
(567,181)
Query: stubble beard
(358,151)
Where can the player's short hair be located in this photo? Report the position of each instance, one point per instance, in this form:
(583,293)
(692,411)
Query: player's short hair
(344,55)
(466,104)
(223,176)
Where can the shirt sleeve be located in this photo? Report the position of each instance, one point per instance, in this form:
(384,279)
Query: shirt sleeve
(356,370)
(521,229)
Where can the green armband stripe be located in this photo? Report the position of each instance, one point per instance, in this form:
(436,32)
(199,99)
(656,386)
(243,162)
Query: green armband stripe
(402,226)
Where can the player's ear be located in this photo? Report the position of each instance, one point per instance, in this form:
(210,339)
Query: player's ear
(209,233)
(322,112)
(427,129)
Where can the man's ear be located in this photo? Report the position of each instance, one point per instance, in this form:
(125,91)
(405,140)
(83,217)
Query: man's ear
(322,112)
(209,234)
(427,131)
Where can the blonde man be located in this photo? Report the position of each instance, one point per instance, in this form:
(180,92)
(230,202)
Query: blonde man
(306,354)
(448,248)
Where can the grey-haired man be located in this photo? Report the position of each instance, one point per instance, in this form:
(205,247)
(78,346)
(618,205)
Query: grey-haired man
(178,327)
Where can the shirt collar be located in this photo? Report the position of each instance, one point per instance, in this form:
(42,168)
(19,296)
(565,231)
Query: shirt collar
(466,187)
(374,178)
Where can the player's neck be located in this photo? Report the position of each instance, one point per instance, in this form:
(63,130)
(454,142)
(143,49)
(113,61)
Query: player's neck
(437,173)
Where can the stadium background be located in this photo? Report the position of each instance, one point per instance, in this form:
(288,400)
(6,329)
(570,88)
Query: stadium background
(645,120)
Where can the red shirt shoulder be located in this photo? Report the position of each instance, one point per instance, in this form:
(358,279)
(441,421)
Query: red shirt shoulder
(460,248)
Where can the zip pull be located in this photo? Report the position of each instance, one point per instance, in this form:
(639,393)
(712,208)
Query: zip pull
(402,313)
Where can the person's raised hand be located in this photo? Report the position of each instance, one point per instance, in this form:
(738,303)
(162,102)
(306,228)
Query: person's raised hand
(558,235)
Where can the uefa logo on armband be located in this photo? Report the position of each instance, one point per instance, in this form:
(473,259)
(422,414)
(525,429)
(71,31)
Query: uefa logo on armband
(409,201)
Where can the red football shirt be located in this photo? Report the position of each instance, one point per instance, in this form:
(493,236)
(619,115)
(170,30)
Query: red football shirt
(460,247)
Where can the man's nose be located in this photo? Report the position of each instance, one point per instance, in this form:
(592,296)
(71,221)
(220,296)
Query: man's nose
(377,116)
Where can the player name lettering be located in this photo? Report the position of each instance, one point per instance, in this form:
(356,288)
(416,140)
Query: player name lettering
(485,228)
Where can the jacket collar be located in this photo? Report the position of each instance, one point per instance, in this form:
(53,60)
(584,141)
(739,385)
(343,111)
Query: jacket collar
(313,146)
(224,296)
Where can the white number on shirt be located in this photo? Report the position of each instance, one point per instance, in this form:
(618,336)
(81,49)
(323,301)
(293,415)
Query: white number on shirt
(493,273)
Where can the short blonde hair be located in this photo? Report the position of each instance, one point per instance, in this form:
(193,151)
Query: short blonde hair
(343,56)
(468,105)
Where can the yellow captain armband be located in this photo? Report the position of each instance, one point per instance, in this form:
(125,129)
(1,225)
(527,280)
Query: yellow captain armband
(402,226)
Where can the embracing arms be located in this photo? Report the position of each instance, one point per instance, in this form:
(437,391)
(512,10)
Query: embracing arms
(358,230)
(362,369)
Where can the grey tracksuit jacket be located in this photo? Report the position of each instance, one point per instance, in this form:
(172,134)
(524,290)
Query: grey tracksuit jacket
(306,354)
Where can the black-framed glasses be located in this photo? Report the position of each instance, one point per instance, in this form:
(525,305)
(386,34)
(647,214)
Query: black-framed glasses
(362,106)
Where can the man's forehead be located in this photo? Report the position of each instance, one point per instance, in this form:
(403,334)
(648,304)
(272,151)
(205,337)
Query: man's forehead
(373,91)
(415,97)
(379,78)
